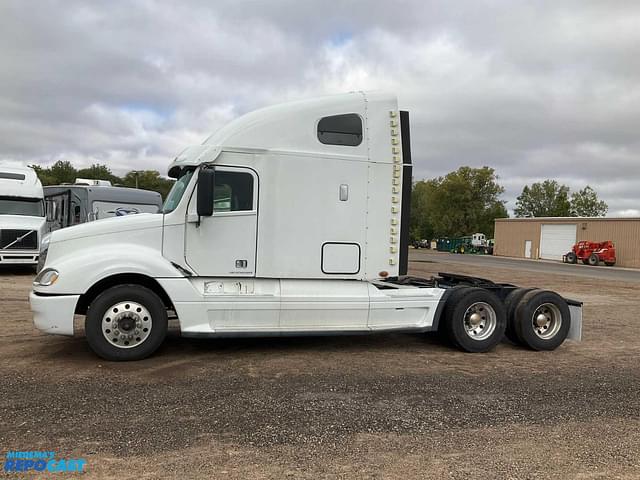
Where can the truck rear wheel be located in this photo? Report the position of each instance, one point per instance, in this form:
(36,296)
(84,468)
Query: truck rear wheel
(456,294)
(126,322)
(542,320)
(475,319)
(510,304)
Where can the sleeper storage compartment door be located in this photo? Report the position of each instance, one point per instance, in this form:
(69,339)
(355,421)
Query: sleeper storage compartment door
(556,240)
(340,258)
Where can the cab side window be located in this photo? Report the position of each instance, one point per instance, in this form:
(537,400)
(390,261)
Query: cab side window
(233,192)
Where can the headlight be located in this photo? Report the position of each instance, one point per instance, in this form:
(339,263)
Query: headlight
(44,249)
(46,277)
(44,243)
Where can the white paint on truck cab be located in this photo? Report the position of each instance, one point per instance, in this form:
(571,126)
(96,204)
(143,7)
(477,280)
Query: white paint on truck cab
(283,222)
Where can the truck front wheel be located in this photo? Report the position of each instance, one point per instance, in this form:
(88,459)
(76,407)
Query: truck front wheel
(126,322)
(475,320)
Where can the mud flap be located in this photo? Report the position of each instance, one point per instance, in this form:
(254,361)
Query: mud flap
(575,331)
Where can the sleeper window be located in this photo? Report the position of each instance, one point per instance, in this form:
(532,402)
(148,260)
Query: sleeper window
(233,192)
(341,130)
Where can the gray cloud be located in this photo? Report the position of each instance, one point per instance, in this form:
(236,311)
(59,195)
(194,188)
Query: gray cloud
(535,89)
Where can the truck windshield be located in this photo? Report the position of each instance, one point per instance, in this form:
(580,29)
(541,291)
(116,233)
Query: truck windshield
(173,199)
(32,207)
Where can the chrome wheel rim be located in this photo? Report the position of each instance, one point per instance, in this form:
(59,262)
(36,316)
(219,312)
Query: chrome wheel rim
(546,321)
(480,321)
(126,324)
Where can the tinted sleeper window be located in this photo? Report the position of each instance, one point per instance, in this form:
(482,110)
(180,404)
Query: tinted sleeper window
(341,130)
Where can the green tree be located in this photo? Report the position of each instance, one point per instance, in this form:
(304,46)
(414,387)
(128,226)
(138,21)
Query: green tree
(421,196)
(460,203)
(62,172)
(44,174)
(148,180)
(544,199)
(98,172)
(585,203)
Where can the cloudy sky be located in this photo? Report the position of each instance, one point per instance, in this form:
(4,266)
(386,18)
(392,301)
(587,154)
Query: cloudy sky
(536,89)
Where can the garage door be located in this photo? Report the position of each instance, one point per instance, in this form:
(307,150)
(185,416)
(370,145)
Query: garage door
(556,240)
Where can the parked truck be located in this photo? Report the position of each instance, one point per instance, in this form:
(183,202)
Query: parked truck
(89,200)
(22,218)
(291,220)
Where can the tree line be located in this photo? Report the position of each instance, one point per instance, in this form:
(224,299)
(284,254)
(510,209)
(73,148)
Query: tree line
(459,203)
(64,172)
(468,200)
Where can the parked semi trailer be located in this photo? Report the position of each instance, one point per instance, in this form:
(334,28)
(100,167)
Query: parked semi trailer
(291,220)
(22,218)
(68,205)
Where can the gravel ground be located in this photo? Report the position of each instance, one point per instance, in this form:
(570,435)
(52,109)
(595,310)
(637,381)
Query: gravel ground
(339,407)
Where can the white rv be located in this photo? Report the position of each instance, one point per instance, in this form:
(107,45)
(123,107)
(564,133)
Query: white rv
(69,205)
(291,220)
(22,217)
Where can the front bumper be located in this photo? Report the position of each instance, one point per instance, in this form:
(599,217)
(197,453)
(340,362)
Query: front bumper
(54,313)
(19,257)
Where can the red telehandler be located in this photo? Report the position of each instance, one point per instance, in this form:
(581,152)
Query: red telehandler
(592,253)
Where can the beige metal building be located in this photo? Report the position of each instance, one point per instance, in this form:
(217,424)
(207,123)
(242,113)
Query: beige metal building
(550,238)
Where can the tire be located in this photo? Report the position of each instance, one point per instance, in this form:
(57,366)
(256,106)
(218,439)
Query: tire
(456,294)
(482,333)
(572,257)
(593,260)
(609,264)
(134,307)
(510,304)
(543,303)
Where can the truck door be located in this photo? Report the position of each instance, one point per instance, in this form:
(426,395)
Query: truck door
(57,208)
(224,244)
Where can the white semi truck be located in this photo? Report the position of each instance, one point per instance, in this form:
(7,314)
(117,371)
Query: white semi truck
(22,218)
(291,220)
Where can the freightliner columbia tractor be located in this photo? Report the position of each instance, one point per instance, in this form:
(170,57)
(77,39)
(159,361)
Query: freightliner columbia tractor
(290,220)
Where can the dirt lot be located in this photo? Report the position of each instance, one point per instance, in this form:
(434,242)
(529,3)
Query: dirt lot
(341,407)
